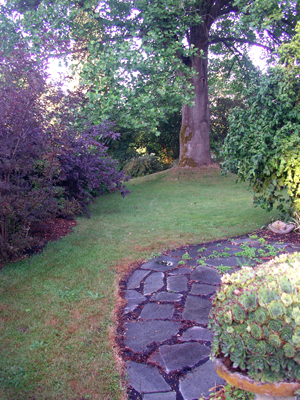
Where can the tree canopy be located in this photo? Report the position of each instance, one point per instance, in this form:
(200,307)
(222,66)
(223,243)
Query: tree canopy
(142,60)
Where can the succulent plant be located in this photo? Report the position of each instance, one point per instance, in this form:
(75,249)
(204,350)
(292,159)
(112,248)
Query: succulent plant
(255,320)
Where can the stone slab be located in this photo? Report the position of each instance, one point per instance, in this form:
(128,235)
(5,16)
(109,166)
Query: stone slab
(231,252)
(166,297)
(292,249)
(156,359)
(223,249)
(206,275)
(134,299)
(198,382)
(296,247)
(192,264)
(244,261)
(196,309)
(180,356)
(229,261)
(196,333)
(233,270)
(247,241)
(280,246)
(162,264)
(177,253)
(192,250)
(139,335)
(209,248)
(202,289)
(220,247)
(157,311)
(181,271)
(177,283)
(136,278)
(145,379)
(153,282)
(160,396)
(257,246)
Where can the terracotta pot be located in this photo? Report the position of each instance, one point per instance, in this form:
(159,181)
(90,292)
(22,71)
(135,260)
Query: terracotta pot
(278,389)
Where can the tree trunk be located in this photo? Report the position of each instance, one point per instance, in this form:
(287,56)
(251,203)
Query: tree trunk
(195,126)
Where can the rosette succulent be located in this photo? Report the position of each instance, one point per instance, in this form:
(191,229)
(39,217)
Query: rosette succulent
(255,320)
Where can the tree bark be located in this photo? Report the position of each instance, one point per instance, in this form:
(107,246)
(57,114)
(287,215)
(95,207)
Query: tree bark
(194,133)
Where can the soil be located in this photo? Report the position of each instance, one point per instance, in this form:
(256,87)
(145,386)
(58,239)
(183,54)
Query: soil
(49,230)
(54,229)
(292,237)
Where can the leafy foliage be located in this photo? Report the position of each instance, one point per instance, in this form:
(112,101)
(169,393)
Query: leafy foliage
(24,192)
(85,169)
(164,146)
(135,58)
(220,108)
(143,165)
(230,392)
(263,143)
(228,79)
(255,320)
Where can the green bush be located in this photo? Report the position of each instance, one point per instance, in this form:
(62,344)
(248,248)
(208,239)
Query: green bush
(263,143)
(143,165)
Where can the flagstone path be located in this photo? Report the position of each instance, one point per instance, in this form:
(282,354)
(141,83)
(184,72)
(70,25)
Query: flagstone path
(163,335)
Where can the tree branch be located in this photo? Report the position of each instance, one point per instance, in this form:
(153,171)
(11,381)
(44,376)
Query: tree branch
(273,37)
(229,10)
(230,48)
(238,40)
(216,11)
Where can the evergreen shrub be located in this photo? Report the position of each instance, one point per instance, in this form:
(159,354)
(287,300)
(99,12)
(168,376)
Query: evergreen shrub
(143,165)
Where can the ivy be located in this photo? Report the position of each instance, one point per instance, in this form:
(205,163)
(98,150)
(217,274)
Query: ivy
(263,144)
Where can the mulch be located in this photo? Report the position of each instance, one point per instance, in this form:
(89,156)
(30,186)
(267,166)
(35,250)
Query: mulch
(48,230)
(54,229)
(292,237)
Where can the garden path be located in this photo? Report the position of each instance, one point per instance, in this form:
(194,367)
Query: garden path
(163,330)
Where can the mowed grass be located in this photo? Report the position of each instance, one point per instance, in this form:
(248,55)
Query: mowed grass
(56,308)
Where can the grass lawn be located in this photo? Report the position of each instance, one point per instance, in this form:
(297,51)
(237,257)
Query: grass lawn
(56,308)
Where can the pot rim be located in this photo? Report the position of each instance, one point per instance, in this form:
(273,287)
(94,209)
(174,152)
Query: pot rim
(250,385)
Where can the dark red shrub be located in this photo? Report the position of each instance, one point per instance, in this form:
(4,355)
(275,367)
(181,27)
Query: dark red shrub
(52,161)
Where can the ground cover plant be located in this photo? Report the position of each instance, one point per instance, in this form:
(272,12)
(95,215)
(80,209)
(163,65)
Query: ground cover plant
(230,392)
(56,310)
(261,301)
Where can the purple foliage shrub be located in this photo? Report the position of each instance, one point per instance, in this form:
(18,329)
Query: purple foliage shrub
(86,170)
(22,143)
(52,162)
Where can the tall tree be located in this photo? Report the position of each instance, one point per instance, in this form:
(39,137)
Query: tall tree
(147,57)
(227,27)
